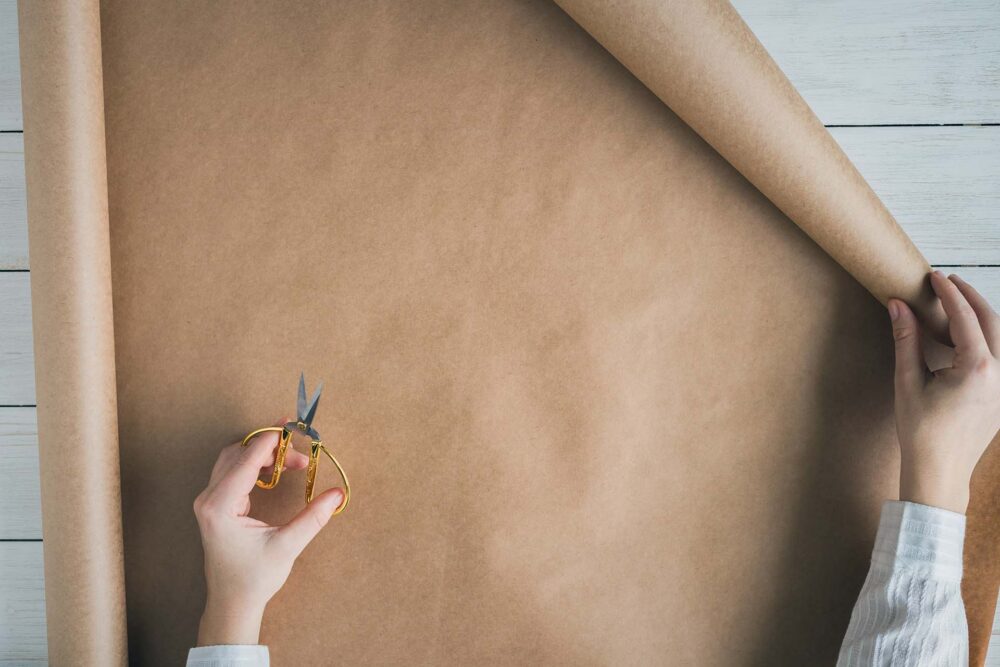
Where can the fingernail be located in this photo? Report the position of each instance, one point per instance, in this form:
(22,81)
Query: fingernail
(939,274)
(334,501)
(893,310)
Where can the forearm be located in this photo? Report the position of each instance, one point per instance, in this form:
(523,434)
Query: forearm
(228,636)
(936,479)
(229,624)
(910,609)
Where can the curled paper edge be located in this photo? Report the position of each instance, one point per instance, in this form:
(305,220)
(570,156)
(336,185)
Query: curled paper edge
(703,62)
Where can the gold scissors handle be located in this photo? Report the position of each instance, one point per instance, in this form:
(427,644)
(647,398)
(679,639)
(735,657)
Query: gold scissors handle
(316,446)
(279,459)
(315,449)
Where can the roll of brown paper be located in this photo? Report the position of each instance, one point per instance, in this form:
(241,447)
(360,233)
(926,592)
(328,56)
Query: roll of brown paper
(74,333)
(601,401)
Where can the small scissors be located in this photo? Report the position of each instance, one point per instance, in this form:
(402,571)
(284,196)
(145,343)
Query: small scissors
(304,417)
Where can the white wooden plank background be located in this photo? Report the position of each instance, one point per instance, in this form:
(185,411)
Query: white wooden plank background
(20,509)
(10,69)
(939,182)
(17,374)
(22,614)
(859,62)
(899,69)
(13,209)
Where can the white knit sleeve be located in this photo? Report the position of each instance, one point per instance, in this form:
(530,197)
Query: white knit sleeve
(229,656)
(910,609)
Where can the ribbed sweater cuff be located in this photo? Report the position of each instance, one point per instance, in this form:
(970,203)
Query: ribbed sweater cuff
(925,540)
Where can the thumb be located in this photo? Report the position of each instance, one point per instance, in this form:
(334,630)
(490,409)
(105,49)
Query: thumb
(910,368)
(300,531)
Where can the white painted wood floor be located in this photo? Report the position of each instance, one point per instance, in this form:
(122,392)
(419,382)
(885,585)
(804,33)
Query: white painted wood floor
(910,88)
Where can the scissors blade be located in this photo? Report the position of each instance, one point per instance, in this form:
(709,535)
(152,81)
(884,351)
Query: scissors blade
(312,406)
(300,405)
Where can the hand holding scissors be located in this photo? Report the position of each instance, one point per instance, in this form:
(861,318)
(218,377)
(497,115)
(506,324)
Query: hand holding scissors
(305,412)
(247,560)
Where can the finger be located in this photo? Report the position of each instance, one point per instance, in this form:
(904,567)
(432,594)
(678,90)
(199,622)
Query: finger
(966,334)
(988,319)
(232,453)
(911,371)
(294,460)
(300,531)
(241,477)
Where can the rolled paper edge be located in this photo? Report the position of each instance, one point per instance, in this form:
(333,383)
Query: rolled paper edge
(69,249)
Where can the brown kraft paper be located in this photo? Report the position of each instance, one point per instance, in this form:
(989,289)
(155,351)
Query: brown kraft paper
(600,400)
(74,333)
